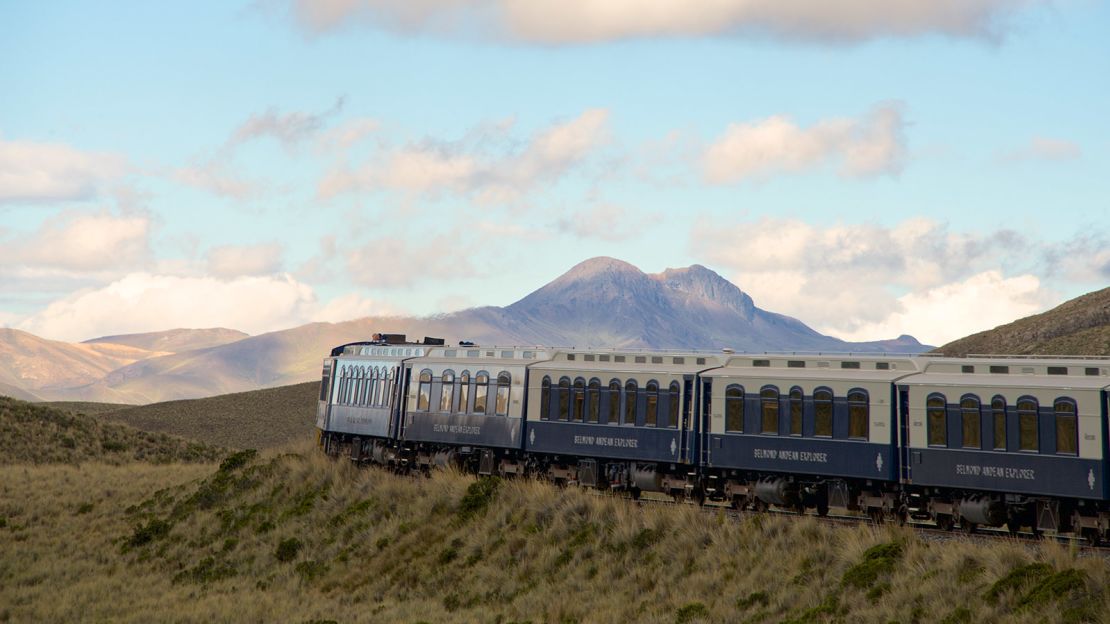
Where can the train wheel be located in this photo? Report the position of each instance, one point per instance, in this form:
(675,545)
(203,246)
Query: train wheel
(634,493)
(968,527)
(699,497)
(944,522)
(1013,526)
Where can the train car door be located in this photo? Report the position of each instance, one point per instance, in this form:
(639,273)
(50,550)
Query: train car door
(704,408)
(903,440)
(688,453)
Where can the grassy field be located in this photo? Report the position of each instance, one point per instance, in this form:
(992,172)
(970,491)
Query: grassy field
(293,537)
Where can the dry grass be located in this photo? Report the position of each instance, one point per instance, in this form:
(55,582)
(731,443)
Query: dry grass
(296,537)
(34,433)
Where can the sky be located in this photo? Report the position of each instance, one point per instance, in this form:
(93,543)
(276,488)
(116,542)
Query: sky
(871,167)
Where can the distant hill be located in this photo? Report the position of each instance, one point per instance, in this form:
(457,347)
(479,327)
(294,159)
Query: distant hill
(256,419)
(174,340)
(38,434)
(1080,326)
(602,302)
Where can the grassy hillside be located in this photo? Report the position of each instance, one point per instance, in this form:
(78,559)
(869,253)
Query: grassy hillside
(257,419)
(38,434)
(295,537)
(1080,326)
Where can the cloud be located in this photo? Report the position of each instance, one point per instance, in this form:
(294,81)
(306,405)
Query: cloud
(870,146)
(43,172)
(486,164)
(349,133)
(83,243)
(237,260)
(608,222)
(289,129)
(391,262)
(1044,149)
(142,302)
(217,177)
(592,21)
(868,281)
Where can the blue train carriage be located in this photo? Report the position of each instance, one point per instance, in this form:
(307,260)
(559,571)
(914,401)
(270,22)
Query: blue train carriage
(360,391)
(805,431)
(617,420)
(465,406)
(1017,441)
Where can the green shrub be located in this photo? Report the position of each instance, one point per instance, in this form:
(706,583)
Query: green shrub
(1017,579)
(755,598)
(478,497)
(287,549)
(690,612)
(154,529)
(879,560)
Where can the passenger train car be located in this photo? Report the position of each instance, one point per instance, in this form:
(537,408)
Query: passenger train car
(981,441)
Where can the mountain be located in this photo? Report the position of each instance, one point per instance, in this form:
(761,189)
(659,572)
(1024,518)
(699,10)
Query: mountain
(602,302)
(1080,326)
(174,340)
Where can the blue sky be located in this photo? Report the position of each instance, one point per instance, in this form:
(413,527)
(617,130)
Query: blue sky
(931,168)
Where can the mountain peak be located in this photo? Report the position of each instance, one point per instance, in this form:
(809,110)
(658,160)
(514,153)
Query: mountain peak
(598,265)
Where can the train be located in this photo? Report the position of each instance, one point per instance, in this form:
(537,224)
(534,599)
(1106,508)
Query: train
(979,441)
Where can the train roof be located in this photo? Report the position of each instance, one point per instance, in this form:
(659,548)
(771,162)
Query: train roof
(1006,381)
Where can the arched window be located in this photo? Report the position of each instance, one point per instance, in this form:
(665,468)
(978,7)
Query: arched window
(503,383)
(614,401)
(859,413)
(672,406)
(593,401)
(969,417)
(464,391)
(769,410)
(998,416)
(578,400)
(630,402)
(796,410)
(823,412)
(545,398)
(1028,436)
(344,381)
(481,391)
(367,385)
(936,416)
(423,400)
(564,398)
(373,394)
(1067,429)
(734,409)
(447,391)
(390,387)
(651,413)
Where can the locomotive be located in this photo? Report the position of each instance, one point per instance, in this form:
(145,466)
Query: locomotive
(1012,441)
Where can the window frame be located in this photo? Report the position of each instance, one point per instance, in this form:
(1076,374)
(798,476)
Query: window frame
(998,416)
(674,396)
(859,413)
(651,404)
(631,390)
(424,391)
(1059,417)
(974,412)
(481,392)
(796,402)
(932,413)
(734,408)
(820,405)
(504,391)
(446,390)
(1024,414)
(769,410)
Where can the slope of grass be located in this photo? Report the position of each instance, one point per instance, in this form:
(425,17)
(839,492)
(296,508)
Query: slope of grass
(295,537)
(257,419)
(37,434)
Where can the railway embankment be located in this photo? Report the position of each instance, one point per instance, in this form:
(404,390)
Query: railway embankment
(293,536)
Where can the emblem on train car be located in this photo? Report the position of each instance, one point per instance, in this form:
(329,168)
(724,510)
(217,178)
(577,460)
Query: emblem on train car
(1091,478)
(674,446)
(532,437)
(879,462)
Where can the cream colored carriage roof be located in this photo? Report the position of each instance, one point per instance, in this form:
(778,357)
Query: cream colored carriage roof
(604,360)
(1013,380)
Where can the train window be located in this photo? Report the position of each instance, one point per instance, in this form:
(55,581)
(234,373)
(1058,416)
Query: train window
(564,398)
(967,369)
(472,353)
(769,409)
(882,365)
(589,357)
(655,359)
(761,363)
(734,409)
(1057,370)
(1091,371)
(425,391)
(672,406)
(859,412)
(849,365)
(678,360)
(998,415)
(651,414)
(503,382)
(969,417)
(1000,370)
(795,363)
(578,405)
(640,359)
(823,413)
(630,402)
(796,410)
(936,416)
(614,401)
(593,402)
(464,391)
(571,357)
(618,358)
(1027,425)
(545,399)
(603,358)
(506,354)
(481,390)
(700,361)
(447,391)
(1067,433)
(528,355)
(325,383)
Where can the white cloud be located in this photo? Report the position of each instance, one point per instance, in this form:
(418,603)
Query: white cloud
(53,171)
(1044,148)
(391,262)
(353,306)
(608,222)
(143,302)
(83,243)
(433,167)
(217,177)
(589,21)
(349,133)
(873,282)
(289,129)
(237,260)
(869,146)
(943,314)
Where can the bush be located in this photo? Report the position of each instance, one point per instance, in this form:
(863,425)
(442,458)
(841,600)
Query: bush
(691,612)
(144,534)
(287,549)
(478,497)
(877,561)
